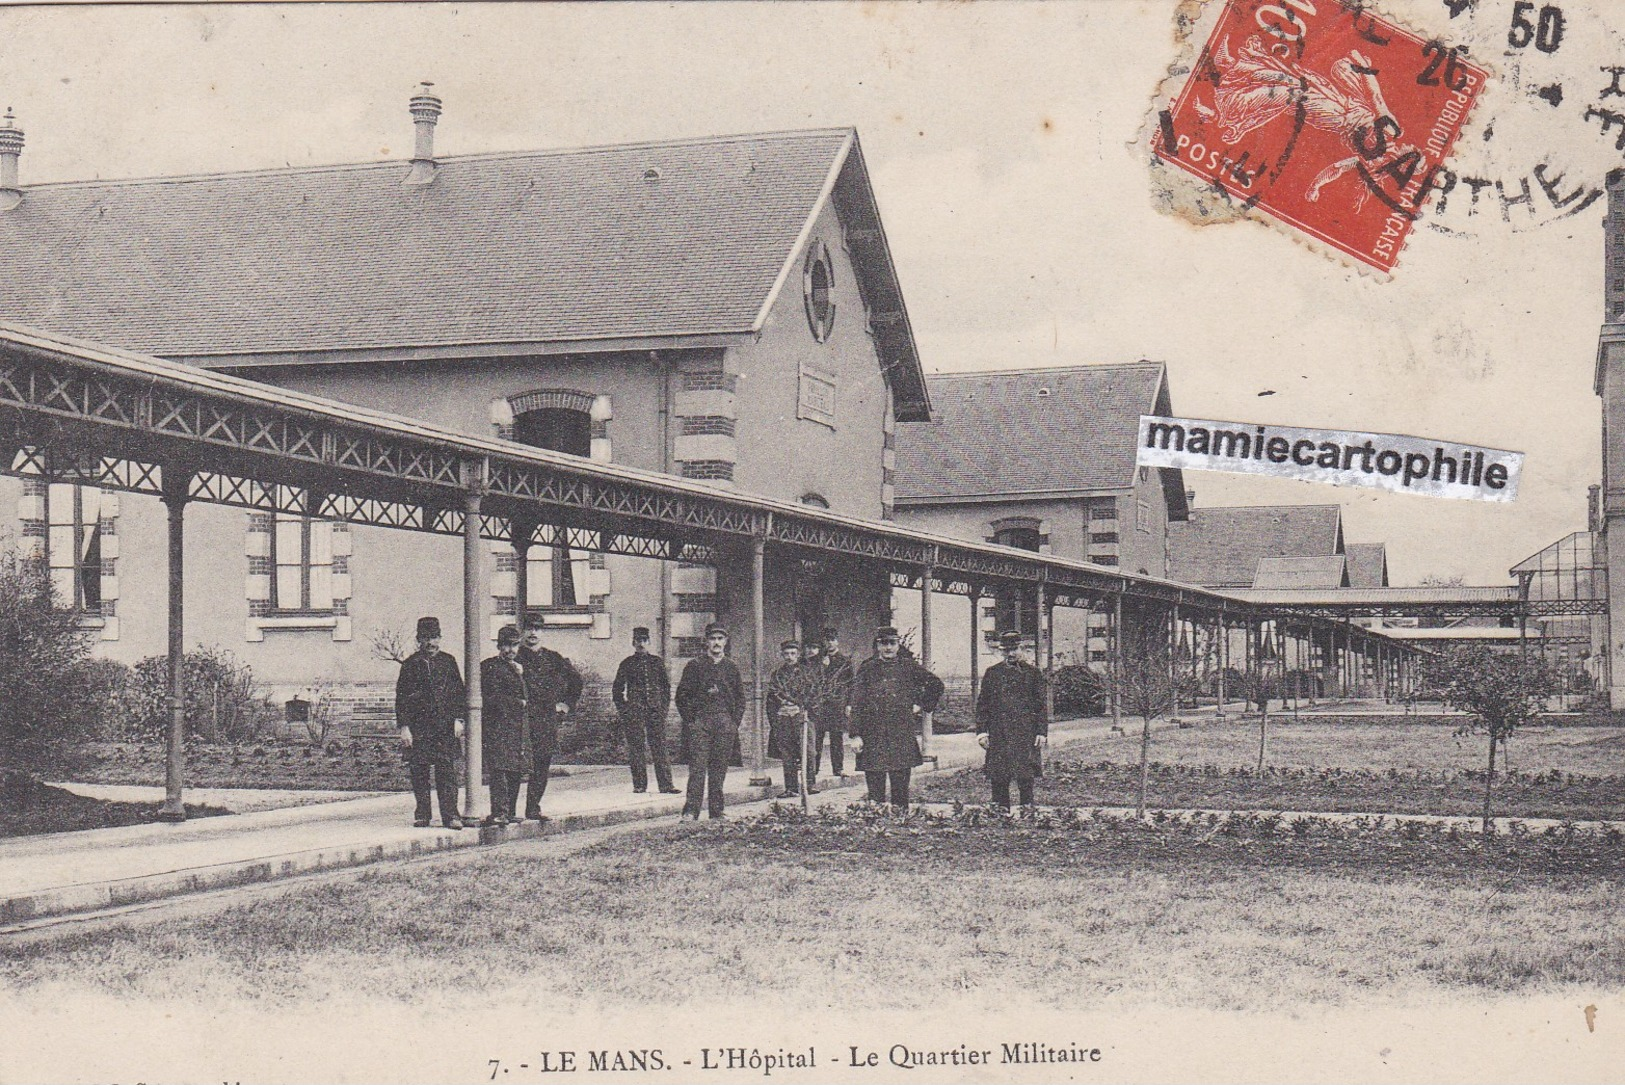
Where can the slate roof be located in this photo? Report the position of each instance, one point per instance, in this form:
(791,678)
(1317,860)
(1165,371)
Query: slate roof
(1030,432)
(538,248)
(1329,572)
(1368,565)
(1221,547)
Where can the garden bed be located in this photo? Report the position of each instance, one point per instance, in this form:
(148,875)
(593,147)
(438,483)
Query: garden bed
(1073,783)
(53,810)
(352,766)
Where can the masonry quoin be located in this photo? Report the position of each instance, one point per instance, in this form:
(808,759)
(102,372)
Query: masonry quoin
(1385,461)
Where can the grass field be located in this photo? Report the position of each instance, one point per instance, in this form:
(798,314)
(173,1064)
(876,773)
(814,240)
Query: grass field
(863,912)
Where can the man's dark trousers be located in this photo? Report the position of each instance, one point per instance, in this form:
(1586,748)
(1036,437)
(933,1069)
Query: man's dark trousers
(641,728)
(1001,791)
(899,786)
(541,765)
(504,792)
(837,752)
(710,742)
(445,786)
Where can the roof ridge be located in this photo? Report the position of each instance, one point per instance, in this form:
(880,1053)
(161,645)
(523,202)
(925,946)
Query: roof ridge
(1238,508)
(401,163)
(1033,371)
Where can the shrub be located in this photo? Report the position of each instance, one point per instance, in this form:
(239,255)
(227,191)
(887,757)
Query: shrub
(41,645)
(1080,691)
(222,701)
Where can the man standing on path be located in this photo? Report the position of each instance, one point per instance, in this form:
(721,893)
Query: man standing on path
(429,712)
(552,688)
(711,700)
(790,694)
(829,712)
(642,693)
(1011,723)
(502,685)
(889,695)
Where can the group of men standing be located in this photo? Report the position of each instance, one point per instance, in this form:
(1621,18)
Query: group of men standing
(528,688)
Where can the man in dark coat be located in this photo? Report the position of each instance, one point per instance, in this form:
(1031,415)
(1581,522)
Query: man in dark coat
(552,688)
(502,688)
(429,711)
(711,700)
(642,694)
(1012,723)
(790,694)
(889,694)
(835,691)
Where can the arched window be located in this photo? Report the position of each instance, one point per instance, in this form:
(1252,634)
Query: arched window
(1016,608)
(815,501)
(559,422)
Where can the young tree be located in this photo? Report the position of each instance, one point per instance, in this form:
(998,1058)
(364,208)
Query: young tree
(1500,692)
(1150,683)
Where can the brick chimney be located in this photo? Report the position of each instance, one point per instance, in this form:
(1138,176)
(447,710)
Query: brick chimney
(425,113)
(11,148)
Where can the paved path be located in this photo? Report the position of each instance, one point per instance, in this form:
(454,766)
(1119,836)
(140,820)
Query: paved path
(62,874)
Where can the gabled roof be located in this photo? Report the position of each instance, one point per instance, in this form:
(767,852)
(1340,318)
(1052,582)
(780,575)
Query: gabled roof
(1032,433)
(1368,565)
(1311,573)
(1221,547)
(637,246)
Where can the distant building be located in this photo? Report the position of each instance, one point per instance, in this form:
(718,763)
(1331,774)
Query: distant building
(1223,547)
(1367,565)
(1041,459)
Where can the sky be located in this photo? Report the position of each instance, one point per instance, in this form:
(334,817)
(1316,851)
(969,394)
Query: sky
(1006,144)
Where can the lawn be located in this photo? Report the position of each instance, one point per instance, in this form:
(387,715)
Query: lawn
(53,810)
(1078,913)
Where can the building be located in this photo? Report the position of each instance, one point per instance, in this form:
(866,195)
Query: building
(1042,459)
(720,309)
(1227,547)
(1608,504)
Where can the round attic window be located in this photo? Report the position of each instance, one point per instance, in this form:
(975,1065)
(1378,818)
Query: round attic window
(817,288)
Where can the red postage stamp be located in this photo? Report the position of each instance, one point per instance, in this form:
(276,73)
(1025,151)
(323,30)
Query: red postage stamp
(1324,116)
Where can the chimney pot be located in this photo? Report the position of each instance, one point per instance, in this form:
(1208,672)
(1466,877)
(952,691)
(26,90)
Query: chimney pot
(11,148)
(425,107)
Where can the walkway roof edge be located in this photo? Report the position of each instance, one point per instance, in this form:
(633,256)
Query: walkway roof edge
(130,364)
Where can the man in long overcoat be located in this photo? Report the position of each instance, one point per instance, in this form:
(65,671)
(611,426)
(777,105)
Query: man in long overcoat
(642,694)
(429,712)
(791,693)
(835,691)
(1012,722)
(889,695)
(552,688)
(502,687)
(711,700)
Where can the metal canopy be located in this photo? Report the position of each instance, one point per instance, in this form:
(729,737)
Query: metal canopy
(77,411)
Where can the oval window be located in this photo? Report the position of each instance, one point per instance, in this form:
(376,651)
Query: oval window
(817,287)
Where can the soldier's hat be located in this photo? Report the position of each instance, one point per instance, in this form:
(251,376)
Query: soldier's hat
(789,644)
(886,632)
(1010,639)
(829,633)
(534,620)
(640,632)
(716,627)
(428,627)
(508,634)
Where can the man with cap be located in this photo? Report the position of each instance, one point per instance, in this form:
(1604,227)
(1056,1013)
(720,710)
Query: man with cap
(790,695)
(502,685)
(835,690)
(889,695)
(552,688)
(1012,722)
(642,694)
(429,711)
(711,700)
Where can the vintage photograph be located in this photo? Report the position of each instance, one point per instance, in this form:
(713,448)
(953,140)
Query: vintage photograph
(812,542)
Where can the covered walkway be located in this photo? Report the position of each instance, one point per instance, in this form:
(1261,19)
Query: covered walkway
(72,411)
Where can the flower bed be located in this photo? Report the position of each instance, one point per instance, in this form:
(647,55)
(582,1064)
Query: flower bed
(53,810)
(355,766)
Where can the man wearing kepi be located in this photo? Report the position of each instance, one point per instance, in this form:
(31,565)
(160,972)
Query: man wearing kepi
(889,695)
(829,712)
(642,693)
(790,694)
(429,712)
(711,700)
(1012,723)
(502,687)
(552,688)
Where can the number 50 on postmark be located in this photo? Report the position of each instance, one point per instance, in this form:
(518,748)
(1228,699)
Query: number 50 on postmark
(1324,116)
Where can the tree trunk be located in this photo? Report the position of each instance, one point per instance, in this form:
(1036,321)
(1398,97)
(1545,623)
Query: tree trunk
(1145,762)
(1263,735)
(1489,779)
